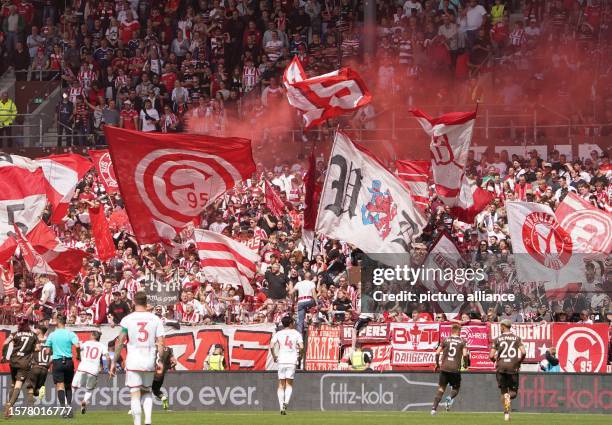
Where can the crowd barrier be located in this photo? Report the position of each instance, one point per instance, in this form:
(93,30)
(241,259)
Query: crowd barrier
(338,391)
(581,348)
(408,345)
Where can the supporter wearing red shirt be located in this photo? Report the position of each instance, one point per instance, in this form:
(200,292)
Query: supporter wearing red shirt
(128,27)
(168,78)
(521,188)
(26,10)
(128,118)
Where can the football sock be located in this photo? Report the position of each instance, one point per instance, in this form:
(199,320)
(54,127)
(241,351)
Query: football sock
(147,406)
(61,396)
(136,409)
(281,397)
(288,392)
(14,396)
(69,396)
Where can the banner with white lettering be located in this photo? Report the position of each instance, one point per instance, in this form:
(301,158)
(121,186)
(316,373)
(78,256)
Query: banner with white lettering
(371,334)
(323,347)
(477,336)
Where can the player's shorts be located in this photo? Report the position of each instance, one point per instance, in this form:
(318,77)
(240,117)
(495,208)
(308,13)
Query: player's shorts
(450,378)
(136,380)
(19,373)
(63,371)
(84,380)
(286,371)
(507,381)
(37,378)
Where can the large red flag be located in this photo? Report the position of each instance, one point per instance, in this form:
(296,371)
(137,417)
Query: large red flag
(167,180)
(23,199)
(104,168)
(62,174)
(273,201)
(325,96)
(589,227)
(312,195)
(451,136)
(65,262)
(415,174)
(102,234)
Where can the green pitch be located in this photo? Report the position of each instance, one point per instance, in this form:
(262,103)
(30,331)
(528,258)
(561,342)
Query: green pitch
(329,418)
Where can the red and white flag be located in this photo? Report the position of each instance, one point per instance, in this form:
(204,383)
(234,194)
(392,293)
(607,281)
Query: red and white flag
(104,167)
(273,200)
(23,199)
(63,173)
(225,260)
(105,246)
(364,204)
(32,259)
(64,262)
(589,227)
(311,199)
(167,180)
(415,174)
(7,280)
(451,136)
(543,250)
(325,96)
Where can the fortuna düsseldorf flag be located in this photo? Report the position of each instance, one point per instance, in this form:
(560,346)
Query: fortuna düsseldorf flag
(589,227)
(225,260)
(23,199)
(451,136)
(63,173)
(105,246)
(167,180)
(543,250)
(364,204)
(416,175)
(326,96)
(311,199)
(104,168)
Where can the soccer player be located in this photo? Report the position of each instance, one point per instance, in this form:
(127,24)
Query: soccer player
(166,361)
(450,355)
(91,353)
(40,367)
(508,353)
(24,343)
(286,346)
(145,334)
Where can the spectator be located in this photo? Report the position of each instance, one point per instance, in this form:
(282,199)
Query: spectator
(8,113)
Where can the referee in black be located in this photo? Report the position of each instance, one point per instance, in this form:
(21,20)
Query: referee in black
(60,344)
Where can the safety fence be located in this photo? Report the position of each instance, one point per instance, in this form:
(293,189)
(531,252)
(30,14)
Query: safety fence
(581,348)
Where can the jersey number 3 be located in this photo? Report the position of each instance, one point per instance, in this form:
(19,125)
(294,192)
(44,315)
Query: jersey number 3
(143,333)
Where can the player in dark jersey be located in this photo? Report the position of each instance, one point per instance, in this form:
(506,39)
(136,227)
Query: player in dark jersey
(508,354)
(24,343)
(166,362)
(451,355)
(40,367)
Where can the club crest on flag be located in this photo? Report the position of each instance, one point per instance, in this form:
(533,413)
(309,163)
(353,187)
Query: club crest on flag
(106,172)
(545,241)
(380,210)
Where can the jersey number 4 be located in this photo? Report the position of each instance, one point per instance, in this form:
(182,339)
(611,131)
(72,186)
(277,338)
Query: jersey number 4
(288,343)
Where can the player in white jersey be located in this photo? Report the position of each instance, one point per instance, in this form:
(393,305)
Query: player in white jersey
(286,347)
(86,376)
(145,335)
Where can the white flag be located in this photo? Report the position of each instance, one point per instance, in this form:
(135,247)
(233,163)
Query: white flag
(543,250)
(364,204)
(444,257)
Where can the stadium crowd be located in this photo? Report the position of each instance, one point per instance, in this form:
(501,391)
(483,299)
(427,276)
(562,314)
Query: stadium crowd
(150,65)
